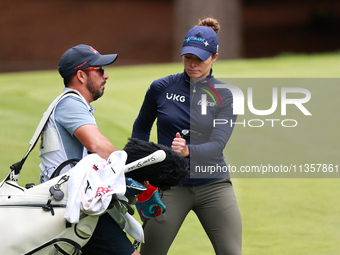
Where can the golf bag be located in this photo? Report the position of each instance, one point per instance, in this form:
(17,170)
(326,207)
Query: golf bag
(32,220)
(45,219)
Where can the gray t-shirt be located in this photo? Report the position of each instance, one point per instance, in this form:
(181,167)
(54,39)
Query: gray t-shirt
(58,142)
(70,114)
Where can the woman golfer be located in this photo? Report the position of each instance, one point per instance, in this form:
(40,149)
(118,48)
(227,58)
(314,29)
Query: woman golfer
(191,101)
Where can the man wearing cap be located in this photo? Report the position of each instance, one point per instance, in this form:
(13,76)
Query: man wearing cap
(71,133)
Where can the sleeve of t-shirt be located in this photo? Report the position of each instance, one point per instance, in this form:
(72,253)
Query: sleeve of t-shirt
(72,113)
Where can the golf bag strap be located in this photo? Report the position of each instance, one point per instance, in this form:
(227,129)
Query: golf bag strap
(16,167)
(72,161)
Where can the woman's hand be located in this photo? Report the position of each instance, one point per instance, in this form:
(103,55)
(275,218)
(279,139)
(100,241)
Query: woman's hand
(180,146)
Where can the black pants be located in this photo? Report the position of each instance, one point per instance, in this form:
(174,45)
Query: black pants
(108,239)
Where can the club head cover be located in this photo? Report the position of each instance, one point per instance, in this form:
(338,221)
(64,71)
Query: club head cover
(133,187)
(149,204)
(165,174)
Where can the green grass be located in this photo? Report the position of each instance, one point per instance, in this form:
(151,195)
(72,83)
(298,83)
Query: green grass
(280,215)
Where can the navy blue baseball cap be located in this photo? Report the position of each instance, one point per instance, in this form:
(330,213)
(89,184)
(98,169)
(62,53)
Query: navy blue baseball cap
(201,41)
(80,57)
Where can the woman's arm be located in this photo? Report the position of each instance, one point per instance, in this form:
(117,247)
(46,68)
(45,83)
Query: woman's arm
(147,115)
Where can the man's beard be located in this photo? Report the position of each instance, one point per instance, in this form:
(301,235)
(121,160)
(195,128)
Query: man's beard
(96,93)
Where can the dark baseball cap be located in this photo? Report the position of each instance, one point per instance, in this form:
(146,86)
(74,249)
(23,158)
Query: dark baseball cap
(201,41)
(80,57)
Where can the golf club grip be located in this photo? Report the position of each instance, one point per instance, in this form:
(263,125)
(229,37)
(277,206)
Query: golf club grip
(153,158)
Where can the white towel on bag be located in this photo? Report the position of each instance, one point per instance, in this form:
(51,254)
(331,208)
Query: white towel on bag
(92,182)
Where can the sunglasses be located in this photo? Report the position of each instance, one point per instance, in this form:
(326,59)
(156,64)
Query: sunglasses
(94,68)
